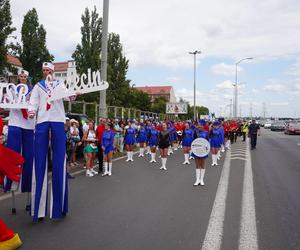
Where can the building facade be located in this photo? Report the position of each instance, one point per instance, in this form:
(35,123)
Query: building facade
(64,70)
(159,91)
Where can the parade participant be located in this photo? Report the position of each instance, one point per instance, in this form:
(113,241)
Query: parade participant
(99,131)
(75,140)
(141,139)
(89,137)
(215,142)
(148,128)
(244,130)
(50,118)
(129,140)
(153,141)
(108,148)
(20,139)
(164,142)
(222,140)
(179,128)
(169,128)
(227,135)
(9,166)
(117,130)
(254,131)
(187,138)
(200,132)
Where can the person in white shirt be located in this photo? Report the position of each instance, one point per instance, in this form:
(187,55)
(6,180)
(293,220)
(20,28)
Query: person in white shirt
(50,119)
(20,139)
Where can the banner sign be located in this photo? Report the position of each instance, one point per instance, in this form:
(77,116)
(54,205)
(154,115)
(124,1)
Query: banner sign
(200,147)
(176,108)
(14,96)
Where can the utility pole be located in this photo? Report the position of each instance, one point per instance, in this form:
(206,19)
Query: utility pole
(195,54)
(230,113)
(264,110)
(102,103)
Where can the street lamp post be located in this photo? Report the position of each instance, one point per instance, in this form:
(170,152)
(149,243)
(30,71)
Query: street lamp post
(195,54)
(102,103)
(236,86)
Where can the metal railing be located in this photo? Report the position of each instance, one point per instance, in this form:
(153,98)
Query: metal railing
(92,111)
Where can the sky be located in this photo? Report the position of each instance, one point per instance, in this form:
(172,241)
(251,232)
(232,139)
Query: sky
(157,36)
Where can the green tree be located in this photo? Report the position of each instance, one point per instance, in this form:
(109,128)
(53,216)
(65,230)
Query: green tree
(159,105)
(34,50)
(5,30)
(87,54)
(119,88)
(139,100)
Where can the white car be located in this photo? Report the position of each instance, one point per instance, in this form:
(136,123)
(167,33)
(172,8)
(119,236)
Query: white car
(268,124)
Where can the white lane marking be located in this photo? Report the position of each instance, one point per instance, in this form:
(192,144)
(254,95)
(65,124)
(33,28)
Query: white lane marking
(238,158)
(237,154)
(248,230)
(214,233)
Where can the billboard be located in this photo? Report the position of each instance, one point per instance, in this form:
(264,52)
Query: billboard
(177,108)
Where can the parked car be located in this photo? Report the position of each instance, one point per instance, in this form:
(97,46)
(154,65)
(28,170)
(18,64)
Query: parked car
(292,128)
(268,124)
(278,126)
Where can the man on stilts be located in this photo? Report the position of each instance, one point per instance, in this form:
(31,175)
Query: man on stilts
(50,126)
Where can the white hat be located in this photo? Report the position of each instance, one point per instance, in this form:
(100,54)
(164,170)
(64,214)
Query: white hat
(48,65)
(67,119)
(24,72)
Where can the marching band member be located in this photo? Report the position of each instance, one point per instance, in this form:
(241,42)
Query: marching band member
(108,148)
(130,133)
(215,142)
(148,128)
(20,139)
(164,142)
(222,141)
(200,132)
(50,118)
(170,130)
(153,142)
(187,138)
(141,139)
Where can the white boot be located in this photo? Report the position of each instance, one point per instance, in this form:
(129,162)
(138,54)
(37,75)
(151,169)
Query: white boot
(219,155)
(131,156)
(93,171)
(186,159)
(213,161)
(141,152)
(109,168)
(202,173)
(153,157)
(104,169)
(197,182)
(89,173)
(163,163)
(148,150)
(128,156)
(222,148)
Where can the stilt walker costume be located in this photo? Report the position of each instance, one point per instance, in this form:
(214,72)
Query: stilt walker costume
(20,139)
(50,119)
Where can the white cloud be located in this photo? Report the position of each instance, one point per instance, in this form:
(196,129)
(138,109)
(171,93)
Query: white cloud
(173,79)
(225,85)
(276,87)
(225,69)
(294,69)
(162,32)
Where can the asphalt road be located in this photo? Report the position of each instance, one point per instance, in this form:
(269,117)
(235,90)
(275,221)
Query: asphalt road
(142,207)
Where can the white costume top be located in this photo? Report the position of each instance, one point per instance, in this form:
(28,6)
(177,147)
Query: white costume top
(16,117)
(38,103)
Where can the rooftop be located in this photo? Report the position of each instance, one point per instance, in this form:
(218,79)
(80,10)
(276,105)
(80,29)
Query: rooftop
(61,66)
(13,60)
(155,90)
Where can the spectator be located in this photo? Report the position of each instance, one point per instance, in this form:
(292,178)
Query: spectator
(121,136)
(75,140)
(117,131)
(90,149)
(68,147)
(99,131)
